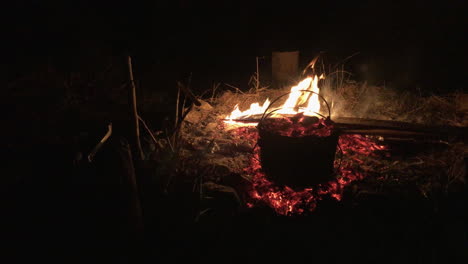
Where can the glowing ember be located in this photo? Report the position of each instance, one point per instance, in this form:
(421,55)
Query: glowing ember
(299,126)
(293,105)
(286,201)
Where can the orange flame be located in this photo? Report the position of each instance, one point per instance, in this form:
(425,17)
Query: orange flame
(254,109)
(293,105)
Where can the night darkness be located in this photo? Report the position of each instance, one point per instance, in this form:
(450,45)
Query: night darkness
(219,39)
(405,45)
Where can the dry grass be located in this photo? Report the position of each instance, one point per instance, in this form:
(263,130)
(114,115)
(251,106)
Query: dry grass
(364,101)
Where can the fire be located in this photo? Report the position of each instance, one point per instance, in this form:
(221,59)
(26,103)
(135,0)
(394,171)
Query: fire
(283,199)
(297,98)
(293,105)
(254,109)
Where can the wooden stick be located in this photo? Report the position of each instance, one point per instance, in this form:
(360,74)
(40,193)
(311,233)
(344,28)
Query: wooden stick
(134,110)
(135,206)
(257,84)
(177,108)
(99,145)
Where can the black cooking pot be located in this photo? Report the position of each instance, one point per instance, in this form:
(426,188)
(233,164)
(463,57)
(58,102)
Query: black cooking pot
(297,162)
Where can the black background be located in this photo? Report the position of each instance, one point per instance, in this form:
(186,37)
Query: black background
(409,43)
(404,44)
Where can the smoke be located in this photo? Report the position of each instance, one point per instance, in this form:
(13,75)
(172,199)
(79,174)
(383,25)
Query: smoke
(348,98)
(360,100)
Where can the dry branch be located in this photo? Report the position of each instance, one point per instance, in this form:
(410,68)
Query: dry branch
(99,145)
(134,109)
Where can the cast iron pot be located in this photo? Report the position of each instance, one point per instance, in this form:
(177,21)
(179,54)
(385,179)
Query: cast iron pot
(297,162)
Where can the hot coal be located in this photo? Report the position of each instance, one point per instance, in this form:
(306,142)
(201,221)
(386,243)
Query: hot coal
(287,201)
(298,126)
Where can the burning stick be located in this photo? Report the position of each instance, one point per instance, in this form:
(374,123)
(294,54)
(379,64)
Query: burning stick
(311,65)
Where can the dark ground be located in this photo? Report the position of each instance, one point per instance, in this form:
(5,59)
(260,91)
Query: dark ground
(44,221)
(44,210)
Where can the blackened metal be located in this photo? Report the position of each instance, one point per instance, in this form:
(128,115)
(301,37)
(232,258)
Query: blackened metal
(297,162)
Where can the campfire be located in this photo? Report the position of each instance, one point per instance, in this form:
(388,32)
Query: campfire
(310,156)
(289,150)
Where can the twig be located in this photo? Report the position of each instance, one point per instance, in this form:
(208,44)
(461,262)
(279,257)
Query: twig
(136,209)
(177,107)
(215,87)
(99,145)
(347,58)
(312,63)
(149,131)
(134,109)
(183,103)
(189,94)
(169,142)
(235,88)
(181,120)
(257,85)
